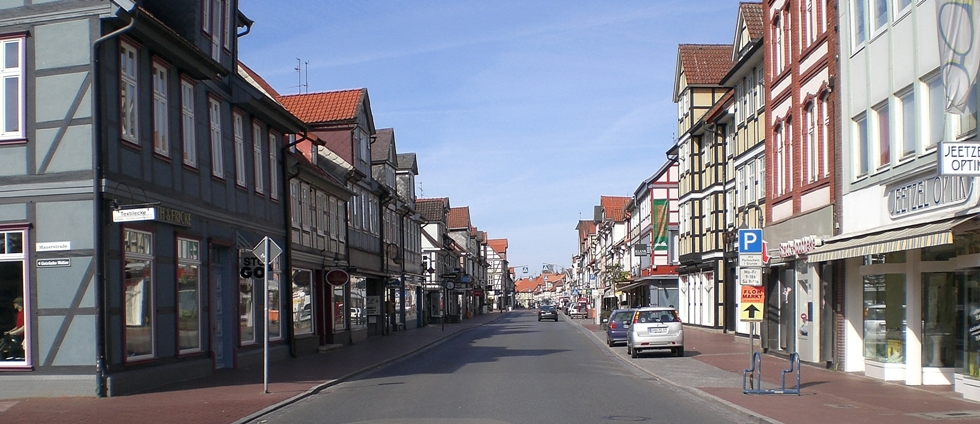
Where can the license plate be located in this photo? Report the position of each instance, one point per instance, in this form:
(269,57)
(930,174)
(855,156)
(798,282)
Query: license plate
(657,330)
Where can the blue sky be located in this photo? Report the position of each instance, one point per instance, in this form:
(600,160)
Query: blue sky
(525,111)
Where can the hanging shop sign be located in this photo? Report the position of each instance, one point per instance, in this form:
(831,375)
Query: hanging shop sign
(153,213)
(337,277)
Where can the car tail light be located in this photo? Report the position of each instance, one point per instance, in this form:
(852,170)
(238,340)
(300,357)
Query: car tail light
(612,324)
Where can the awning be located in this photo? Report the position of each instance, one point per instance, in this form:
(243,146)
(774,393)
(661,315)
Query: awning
(899,239)
(631,286)
(609,293)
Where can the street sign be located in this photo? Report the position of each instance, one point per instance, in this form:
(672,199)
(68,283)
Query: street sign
(449,276)
(752,304)
(749,240)
(750,260)
(274,250)
(750,277)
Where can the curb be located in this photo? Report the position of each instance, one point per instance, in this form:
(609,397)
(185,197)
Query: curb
(330,383)
(746,413)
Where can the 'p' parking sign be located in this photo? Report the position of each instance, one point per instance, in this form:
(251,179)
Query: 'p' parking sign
(750,240)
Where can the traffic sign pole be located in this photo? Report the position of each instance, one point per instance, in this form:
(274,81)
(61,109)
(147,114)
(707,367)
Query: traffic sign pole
(265,339)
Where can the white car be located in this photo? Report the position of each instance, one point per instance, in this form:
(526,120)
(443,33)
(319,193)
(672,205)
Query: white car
(655,328)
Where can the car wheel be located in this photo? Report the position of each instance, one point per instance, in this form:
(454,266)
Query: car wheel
(634,354)
(680,352)
(556,319)
(609,342)
(539,319)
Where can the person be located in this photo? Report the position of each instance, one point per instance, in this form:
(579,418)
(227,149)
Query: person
(13,339)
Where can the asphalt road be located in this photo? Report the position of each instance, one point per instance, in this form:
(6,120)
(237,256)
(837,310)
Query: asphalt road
(517,370)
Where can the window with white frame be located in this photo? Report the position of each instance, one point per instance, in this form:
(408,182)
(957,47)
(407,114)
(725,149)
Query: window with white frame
(257,157)
(750,194)
(295,216)
(227,32)
(901,7)
(750,92)
(825,135)
(739,95)
(129,104)
(760,84)
(239,133)
(217,162)
(879,13)
(247,304)
(788,154)
(12,98)
(364,144)
(760,179)
(189,295)
(780,174)
(273,166)
(935,125)
(215,30)
(859,29)
(740,185)
(306,203)
(907,131)
(161,121)
(810,140)
(138,295)
(302,293)
(882,134)
(777,46)
(187,123)
(810,28)
(863,153)
(14,289)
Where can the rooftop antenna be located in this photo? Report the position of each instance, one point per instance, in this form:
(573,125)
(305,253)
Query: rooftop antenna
(299,76)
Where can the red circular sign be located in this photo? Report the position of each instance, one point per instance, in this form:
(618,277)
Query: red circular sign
(337,277)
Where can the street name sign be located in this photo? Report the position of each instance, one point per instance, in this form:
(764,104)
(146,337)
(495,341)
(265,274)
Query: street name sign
(752,304)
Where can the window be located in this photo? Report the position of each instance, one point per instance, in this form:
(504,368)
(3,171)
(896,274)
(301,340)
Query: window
(880,13)
(750,90)
(217,163)
(884,317)
(780,151)
(750,194)
(189,295)
(760,82)
(364,146)
(12,99)
(788,154)
(275,302)
(810,28)
(882,134)
(216,18)
(305,206)
(810,140)
(825,136)
(907,102)
(760,179)
(239,149)
(257,156)
(161,140)
(900,7)
(187,122)
(246,305)
(863,149)
(294,205)
(740,185)
(339,314)
(858,26)
(302,301)
(777,45)
(128,70)
(138,303)
(12,290)
(935,127)
(273,166)
(227,34)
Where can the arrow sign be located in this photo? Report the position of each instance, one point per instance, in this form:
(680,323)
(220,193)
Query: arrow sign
(751,310)
(752,303)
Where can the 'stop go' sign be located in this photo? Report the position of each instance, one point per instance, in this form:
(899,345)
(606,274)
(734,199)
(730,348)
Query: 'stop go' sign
(750,240)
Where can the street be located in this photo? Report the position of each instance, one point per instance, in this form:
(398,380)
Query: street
(516,370)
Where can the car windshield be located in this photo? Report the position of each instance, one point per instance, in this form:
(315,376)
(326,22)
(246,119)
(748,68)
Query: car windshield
(547,308)
(657,316)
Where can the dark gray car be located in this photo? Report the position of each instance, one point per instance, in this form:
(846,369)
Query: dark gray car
(547,312)
(616,328)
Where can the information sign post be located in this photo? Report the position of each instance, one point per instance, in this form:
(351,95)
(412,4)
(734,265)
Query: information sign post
(267,251)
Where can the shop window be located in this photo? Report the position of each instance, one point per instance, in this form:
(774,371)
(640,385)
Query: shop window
(302,301)
(938,253)
(968,335)
(246,306)
(967,243)
(938,320)
(885,258)
(13,313)
(138,292)
(189,294)
(884,317)
(339,317)
(358,302)
(275,302)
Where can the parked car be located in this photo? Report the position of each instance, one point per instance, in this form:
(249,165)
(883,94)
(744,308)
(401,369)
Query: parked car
(617,325)
(547,312)
(655,328)
(580,310)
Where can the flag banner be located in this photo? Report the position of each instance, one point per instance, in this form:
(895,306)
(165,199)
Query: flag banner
(959,51)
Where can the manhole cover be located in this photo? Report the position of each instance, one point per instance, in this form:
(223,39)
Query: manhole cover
(626,418)
(949,415)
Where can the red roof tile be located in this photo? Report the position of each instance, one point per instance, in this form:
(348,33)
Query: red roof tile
(459,218)
(614,206)
(331,106)
(432,209)
(499,246)
(752,13)
(705,64)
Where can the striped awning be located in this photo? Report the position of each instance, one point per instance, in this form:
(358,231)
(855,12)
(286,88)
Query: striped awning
(899,239)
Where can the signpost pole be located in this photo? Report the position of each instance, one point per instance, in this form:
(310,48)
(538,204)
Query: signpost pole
(265,333)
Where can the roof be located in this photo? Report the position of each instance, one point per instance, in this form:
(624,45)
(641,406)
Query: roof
(432,209)
(459,218)
(257,81)
(705,64)
(752,13)
(383,139)
(407,161)
(499,246)
(324,107)
(613,207)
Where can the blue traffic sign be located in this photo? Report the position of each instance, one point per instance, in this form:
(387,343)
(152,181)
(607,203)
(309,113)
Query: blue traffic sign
(750,240)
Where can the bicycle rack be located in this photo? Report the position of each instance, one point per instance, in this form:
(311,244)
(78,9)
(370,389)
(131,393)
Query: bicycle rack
(753,385)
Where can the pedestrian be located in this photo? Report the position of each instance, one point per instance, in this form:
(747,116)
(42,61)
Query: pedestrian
(13,339)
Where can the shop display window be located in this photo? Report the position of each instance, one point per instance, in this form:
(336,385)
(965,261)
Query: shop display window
(967,243)
(302,301)
(884,317)
(189,294)
(938,319)
(13,347)
(246,306)
(138,289)
(358,303)
(339,317)
(968,310)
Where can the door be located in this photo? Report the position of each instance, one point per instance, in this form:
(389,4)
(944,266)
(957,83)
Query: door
(787,310)
(223,316)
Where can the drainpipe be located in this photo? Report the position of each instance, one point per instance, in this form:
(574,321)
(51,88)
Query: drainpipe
(99,209)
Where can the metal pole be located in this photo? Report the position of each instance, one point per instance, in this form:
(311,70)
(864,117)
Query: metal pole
(265,336)
(444,300)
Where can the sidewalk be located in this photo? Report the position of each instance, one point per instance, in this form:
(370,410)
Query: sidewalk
(712,369)
(236,395)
